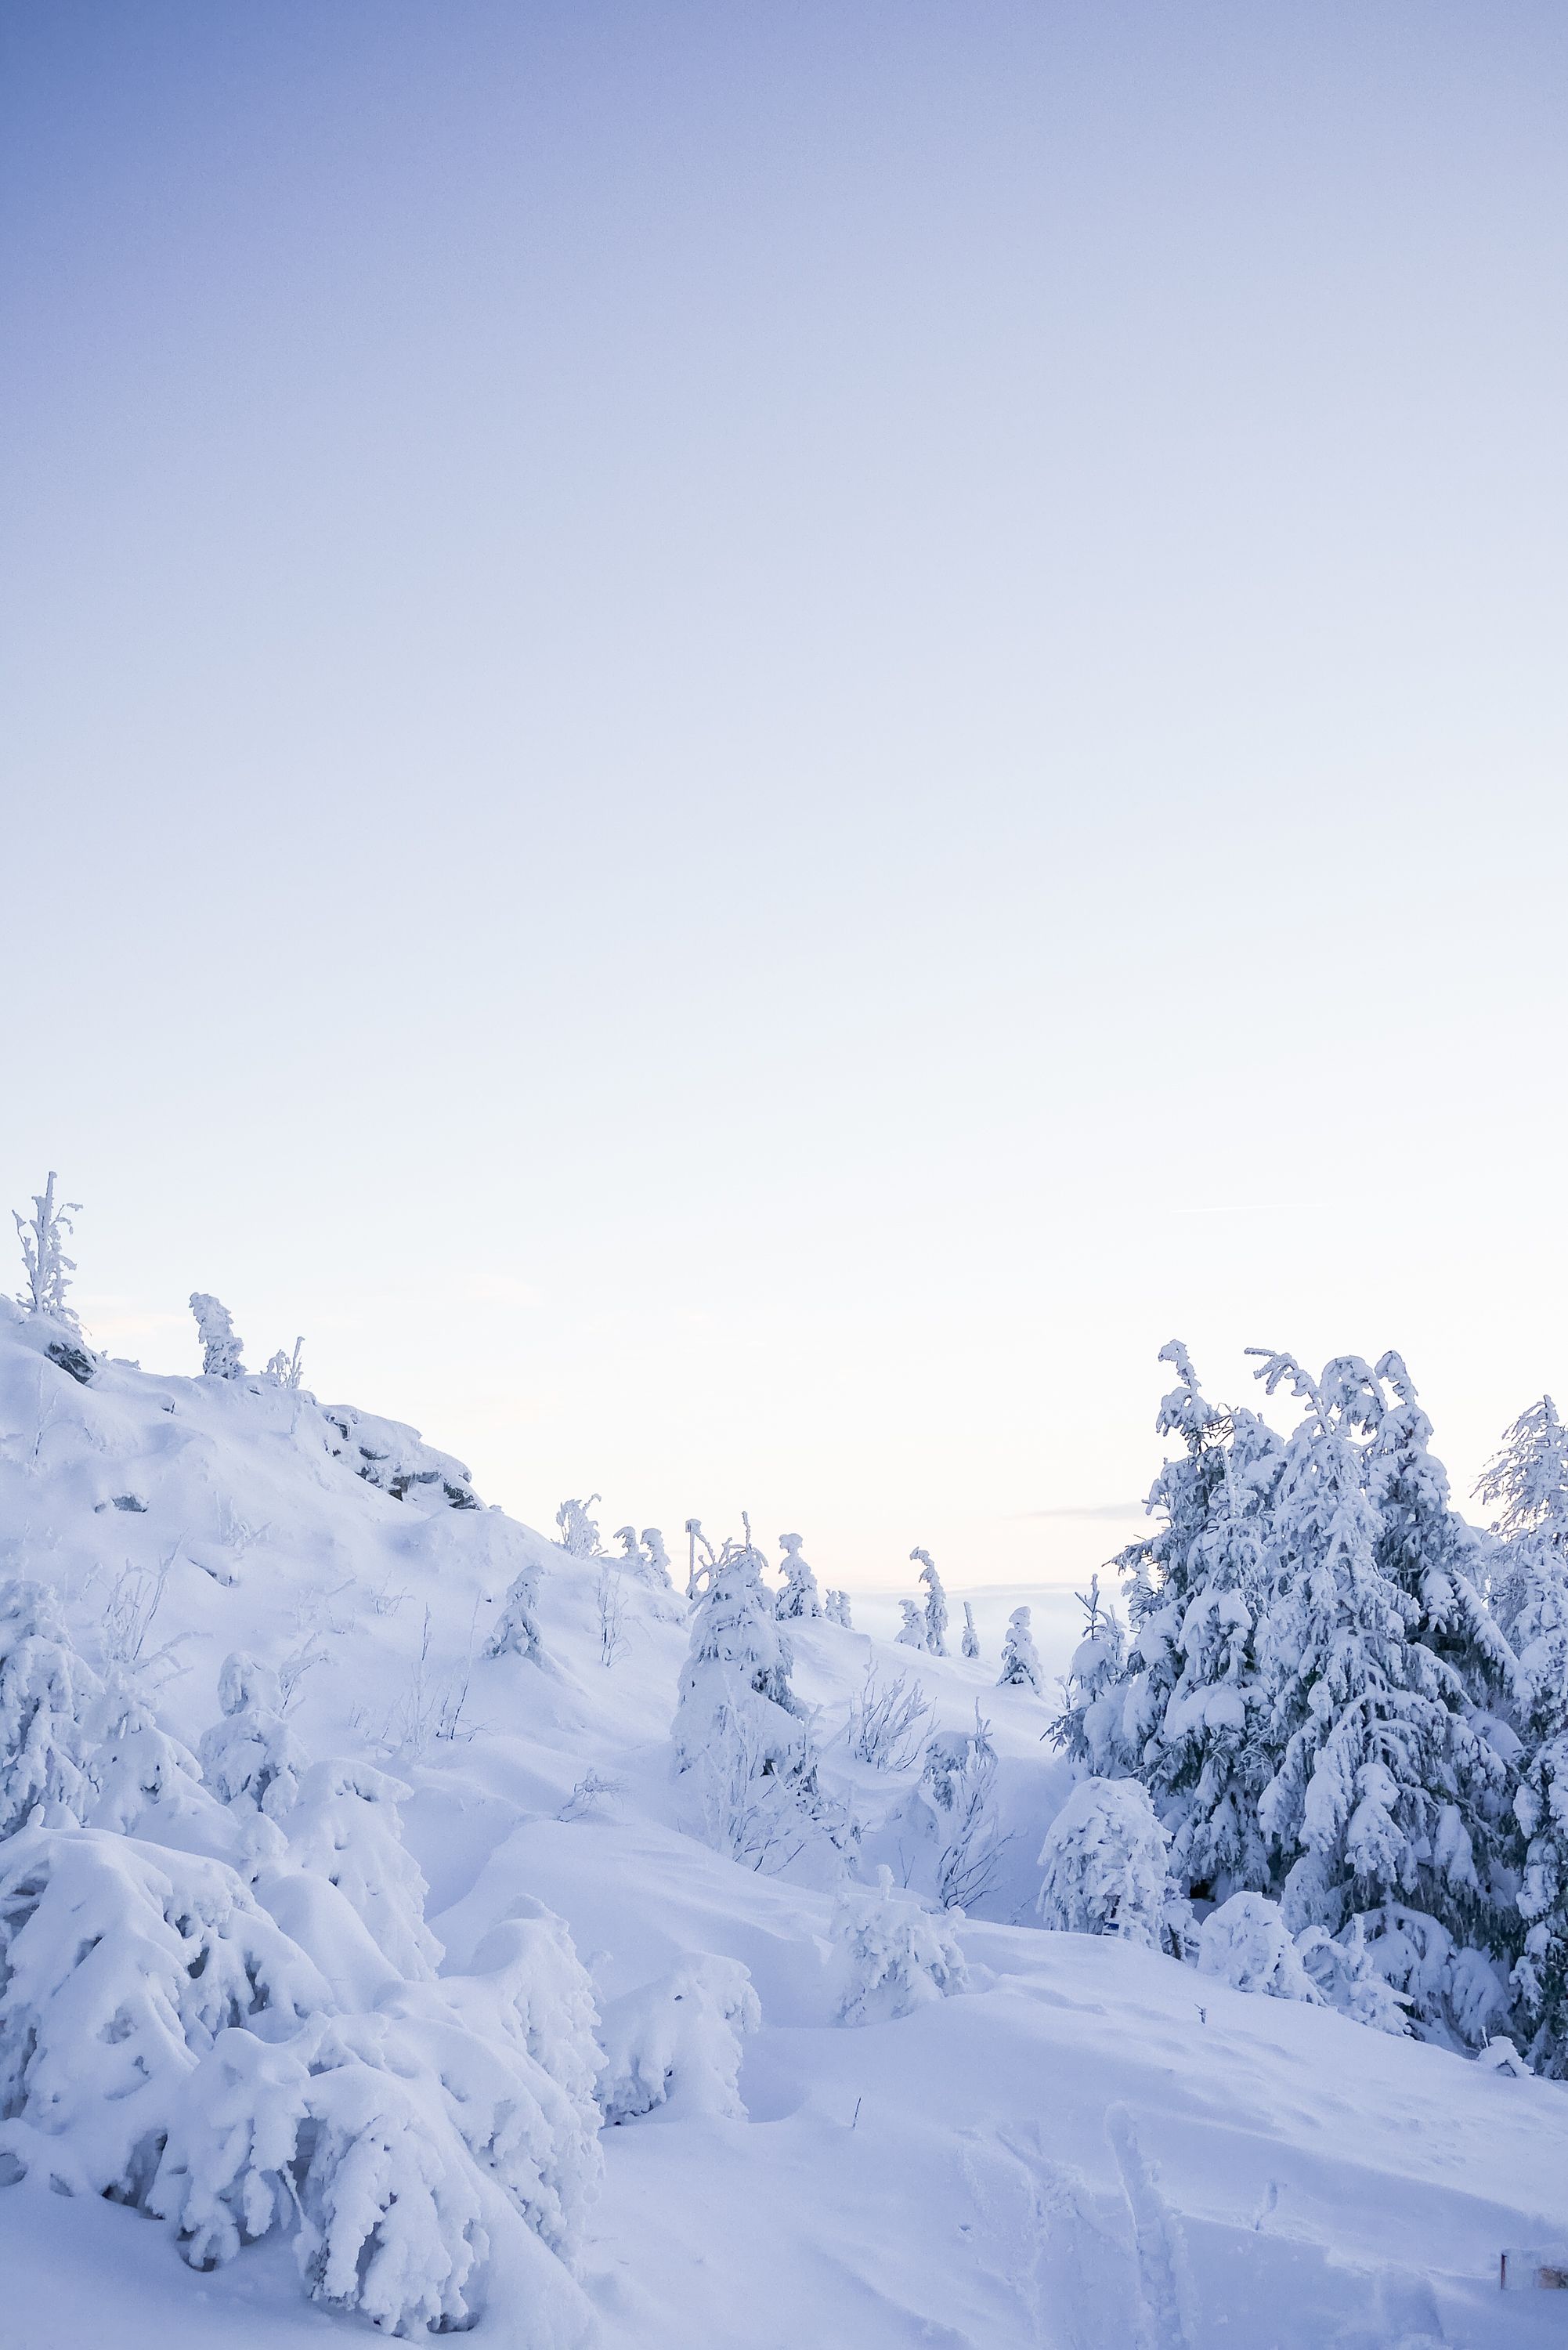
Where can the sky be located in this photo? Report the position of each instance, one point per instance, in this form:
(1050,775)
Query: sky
(741,741)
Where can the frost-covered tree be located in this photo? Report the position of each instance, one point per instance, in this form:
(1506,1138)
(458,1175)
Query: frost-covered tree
(516,1632)
(1021,1667)
(48,1706)
(1383,1780)
(836,1607)
(344,1826)
(220,1343)
(48,1268)
(249,1755)
(799,1596)
(1089,1724)
(1541,1971)
(951,1817)
(698,1570)
(892,1954)
(1346,1978)
(657,1558)
(1106,1868)
(911,1632)
(649,1564)
(287,1370)
(936,1613)
(739,1726)
(1246,1943)
(887,1721)
(675,2044)
(147,1784)
(969,1644)
(579,1533)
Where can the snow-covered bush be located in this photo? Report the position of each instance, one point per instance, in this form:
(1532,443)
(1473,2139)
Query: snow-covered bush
(955,1804)
(835,1607)
(225,2177)
(47,1702)
(911,1632)
(120,1963)
(1346,1978)
(799,1596)
(657,1559)
(1089,1724)
(892,1954)
(344,1826)
(516,1633)
(676,2043)
(287,1370)
(48,1268)
(739,1727)
(579,1534)
(221,1344)
(1104,1863)
(888,1721)
(147,1784)
(969,1644)
(1021,1667)
(936,1608)
(1245,1942)
(251,1755)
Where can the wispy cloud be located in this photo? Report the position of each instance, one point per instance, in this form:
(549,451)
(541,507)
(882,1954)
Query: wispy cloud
(1096,1510)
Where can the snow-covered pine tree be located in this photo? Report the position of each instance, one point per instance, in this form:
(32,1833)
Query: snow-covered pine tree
(739,1727)
(1528,1485)
(48,1268)
(893,1954)
(658,1559)
(936,1603)
(1021,1667)
(676,2043)
(1245,1943)
(969,1644)
(516,1633)
(1089,1724)
(798,1596)
(911,1632)
(1379,1765)
(1106,1868)
(49,1700)
(344,1825)
(835,1607)
(220,1343)
(249,1756)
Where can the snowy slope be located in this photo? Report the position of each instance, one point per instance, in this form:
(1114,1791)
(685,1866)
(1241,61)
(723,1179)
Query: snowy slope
(1092,2147)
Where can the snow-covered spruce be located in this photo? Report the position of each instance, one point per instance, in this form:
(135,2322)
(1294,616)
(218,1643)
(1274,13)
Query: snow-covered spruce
(49,1698)
(798,1595)
(892,1954)
(675,2044)
(517,1629)
(911,1632)
(249,1755)
(969,1644)
(740,1733)
(343,1827)
(1089,1724)
(949,1829)
(579,1533)
(1021,1667)
(936,1608)
(48,1268)
(220,1343)
(1106,1868)
(835,1607)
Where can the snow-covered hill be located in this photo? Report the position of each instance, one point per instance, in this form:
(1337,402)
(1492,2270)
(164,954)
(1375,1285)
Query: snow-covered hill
(1089,2146)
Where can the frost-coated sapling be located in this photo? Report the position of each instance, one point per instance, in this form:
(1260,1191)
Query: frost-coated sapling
(645,1558)
(579,1533)
(48,1704)
(1089,1724)
(287,1370)
(739,1727)
(220,1343)
(148,1784)
(344,1826)
(1246,1943)
(969,1644)
(1021,1667)
(911,1632)
(835,1607)
(48,1268)
(799,1596)
(936,1611)
(249,1755)
(892,1954)
(1348,1980)
(887,1724)
(676,2043)
(952,1815)
(516,1632)
(1106,1868)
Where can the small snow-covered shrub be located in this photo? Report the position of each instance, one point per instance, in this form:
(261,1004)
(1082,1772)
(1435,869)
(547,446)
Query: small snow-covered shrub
(1246,1943)
(936,1611)
(888,1721)
(344,1826)
(893,1954)
(251,1755)
(148,1784)
(225,2176)
(911,1631)
(676,2043)
(1347,1978)
(835,1607)
(47,1700)
(1104,1863)
(220,1343)
(740,1731)
(969,1644)
(579,1533)
(1021,1667)
(952,1813)
(517,1632)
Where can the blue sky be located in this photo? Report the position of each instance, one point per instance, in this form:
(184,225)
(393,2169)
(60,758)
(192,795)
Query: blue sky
(743,739)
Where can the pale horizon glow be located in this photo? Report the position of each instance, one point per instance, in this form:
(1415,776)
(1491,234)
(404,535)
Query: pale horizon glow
(742,742)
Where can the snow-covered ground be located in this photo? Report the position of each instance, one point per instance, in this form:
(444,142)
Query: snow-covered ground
(1090,2146)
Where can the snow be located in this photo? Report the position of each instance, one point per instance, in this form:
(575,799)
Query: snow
(1073,2141)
